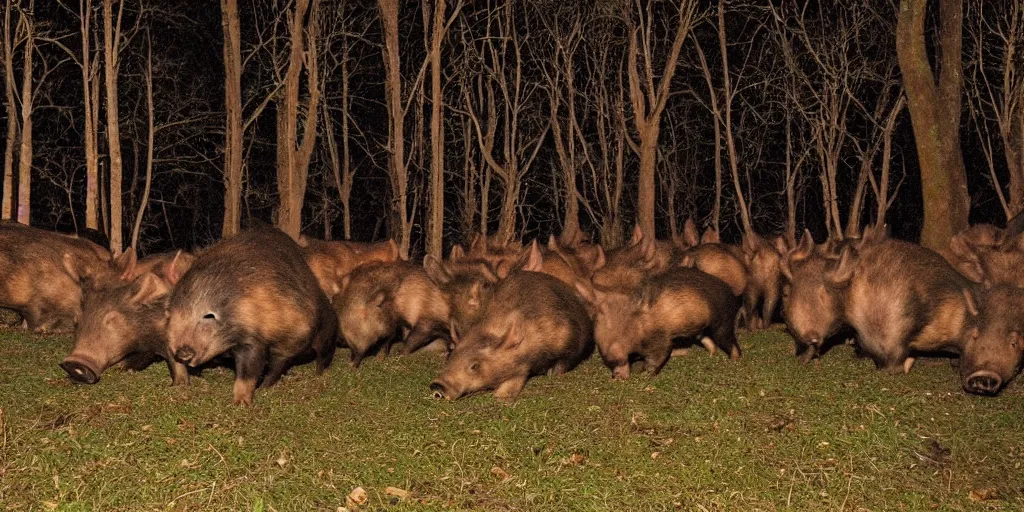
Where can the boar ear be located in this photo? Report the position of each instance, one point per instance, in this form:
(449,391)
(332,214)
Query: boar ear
(436,270)
(148,288)
(393,252)
(648,251)
(126,264)
(453,332)
(534,259)
(972,306)
(478,247)
(638,235)
(804,249)
(71,267)
(586,291)
(843,272)
(514,336)
(457,253)
(710,237)
(303,241)
(599,260)
(690,237)
(171,270)
(552,243)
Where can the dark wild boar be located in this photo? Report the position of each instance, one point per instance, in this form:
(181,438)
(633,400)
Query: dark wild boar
(679,303)
(382,299)
(532,324)
(253,296)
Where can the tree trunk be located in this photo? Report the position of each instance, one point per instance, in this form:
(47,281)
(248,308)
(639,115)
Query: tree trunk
(12,119)
(149,148)
(293,155)
(401,226)
(436,225)
(934,103)
(25,152)
(233,126)
(91,110)
(110,54)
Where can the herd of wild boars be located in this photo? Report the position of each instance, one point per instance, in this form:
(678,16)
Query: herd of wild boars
(504,311)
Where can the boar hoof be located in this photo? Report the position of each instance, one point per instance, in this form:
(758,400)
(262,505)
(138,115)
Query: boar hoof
(79,373)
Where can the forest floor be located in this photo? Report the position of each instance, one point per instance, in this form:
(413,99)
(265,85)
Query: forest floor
(763,433)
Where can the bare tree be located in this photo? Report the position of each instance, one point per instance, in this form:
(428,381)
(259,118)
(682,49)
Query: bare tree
(397,167)
(293,154)
(151,133)
(934,101)
(12,119)
(111,59)
(647,101)
(25,152)
(996,92)
(90,100)
(233,123)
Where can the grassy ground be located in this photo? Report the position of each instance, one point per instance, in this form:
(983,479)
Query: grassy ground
(707,434)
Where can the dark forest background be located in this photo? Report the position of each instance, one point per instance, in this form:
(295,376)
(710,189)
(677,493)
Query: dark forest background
(547,116)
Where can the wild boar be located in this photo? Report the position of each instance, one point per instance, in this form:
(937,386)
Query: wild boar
(627,266)
(465,284)
(331,261)
(680,302)
(44,272)
(380,299)
(812,309)
(253,296)
(763,262)
(532,324)
(583,257)
(993,346)
(901,298)
(124,320)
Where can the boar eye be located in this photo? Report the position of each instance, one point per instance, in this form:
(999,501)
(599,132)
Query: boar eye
(210,316)
(474,367)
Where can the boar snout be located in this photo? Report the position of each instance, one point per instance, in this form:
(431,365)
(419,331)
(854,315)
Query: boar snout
(983,382)
(185,355)
(80,372)
(440,390)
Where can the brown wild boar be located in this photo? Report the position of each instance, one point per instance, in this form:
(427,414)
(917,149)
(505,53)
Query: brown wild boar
(901,298)
(763,261)
(532,324)
(993,347)
(465,284)
(380,299)
(124,319)
(331,261)
(627,266)
(253,296)
(681,302)
(812,309)
(584,258)
(43,274)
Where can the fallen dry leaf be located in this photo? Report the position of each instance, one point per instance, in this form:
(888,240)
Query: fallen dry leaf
(50,505)
(401,494)
(282,460)
(655,455)
(500,473)
(356,498)
(986,494)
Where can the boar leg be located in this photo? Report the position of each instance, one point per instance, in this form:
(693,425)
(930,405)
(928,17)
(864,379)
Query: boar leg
(750,299)
(422,334)
(725,337)
(510,389)
(179,372)
(276,367)
(138,361)
(658,354)
(249,364)
(771,300)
